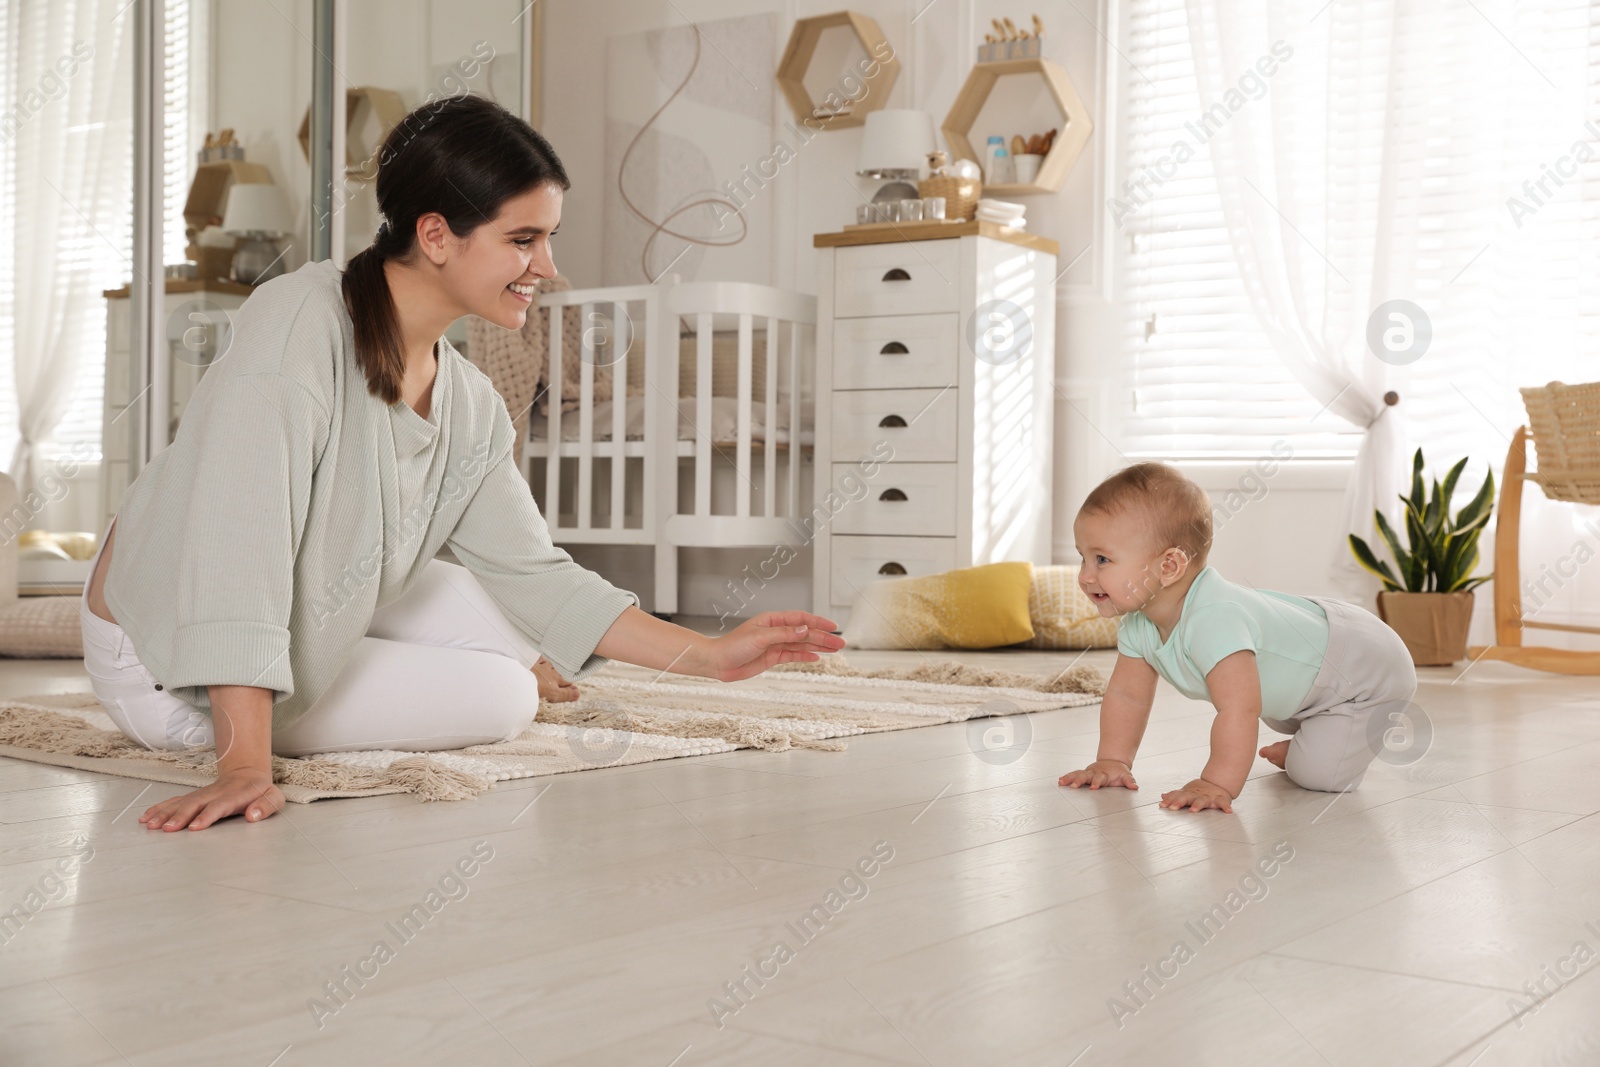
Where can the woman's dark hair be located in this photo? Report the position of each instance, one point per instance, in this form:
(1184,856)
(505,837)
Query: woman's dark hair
(463,157)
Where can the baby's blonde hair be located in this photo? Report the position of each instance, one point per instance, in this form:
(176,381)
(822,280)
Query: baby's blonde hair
(1177,510)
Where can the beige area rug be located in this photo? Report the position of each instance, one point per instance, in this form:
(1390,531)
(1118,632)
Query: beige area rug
(626,715)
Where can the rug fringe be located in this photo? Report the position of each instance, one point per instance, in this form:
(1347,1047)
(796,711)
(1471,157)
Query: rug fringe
(48,731)
(431,780)
(1081,678)
(730,728)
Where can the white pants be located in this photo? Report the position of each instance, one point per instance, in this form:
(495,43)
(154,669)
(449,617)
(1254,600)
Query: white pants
(440,668)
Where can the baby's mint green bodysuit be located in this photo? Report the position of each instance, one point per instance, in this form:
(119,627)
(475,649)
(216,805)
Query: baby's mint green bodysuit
(1287,633)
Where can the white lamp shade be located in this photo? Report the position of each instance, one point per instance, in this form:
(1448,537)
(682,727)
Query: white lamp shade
(256,207)
(896,139)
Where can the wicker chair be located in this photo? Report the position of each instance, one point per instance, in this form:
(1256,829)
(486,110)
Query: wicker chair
(1566,433)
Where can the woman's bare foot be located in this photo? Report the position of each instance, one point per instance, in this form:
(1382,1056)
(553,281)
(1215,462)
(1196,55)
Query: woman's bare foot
(1276,753)
(552,687)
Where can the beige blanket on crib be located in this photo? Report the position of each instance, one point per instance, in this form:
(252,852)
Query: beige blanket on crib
(724,422)
(516,361)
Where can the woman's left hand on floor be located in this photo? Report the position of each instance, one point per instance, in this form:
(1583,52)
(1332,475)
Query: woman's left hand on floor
(247,791)
(766,640)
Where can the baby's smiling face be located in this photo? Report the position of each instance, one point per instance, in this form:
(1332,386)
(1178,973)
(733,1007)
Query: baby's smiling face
(1121,565)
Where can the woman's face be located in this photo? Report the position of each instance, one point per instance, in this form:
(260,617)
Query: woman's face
(509,253)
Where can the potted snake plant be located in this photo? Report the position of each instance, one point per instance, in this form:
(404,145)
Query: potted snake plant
(1427,597)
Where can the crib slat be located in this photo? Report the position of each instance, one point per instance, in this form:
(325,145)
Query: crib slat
(552,469)
(586,416)
(742,453)
(702,415)
(793,488)
(621,338)
(660,462)
(769,452)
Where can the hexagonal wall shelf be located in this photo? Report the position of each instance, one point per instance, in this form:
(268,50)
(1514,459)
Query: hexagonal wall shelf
(802,50)
(1071,136)
(386,108)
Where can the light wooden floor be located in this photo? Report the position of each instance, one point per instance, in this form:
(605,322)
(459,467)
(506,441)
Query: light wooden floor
(617,903)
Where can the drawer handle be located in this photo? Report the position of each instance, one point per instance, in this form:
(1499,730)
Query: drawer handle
(892,494)
(896,274)
(891,421)
(891,568)
(893,348)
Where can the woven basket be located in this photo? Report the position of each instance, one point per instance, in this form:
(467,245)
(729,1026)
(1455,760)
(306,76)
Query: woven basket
(960,195)
(1565,420)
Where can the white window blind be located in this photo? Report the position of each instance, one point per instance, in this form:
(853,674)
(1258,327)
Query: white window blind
(1202,379)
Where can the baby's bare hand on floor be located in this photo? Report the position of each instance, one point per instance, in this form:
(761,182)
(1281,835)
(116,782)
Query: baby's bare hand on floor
(1100,773)
(1198,795)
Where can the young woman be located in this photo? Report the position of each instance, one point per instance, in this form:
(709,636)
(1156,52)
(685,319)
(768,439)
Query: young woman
(270,585)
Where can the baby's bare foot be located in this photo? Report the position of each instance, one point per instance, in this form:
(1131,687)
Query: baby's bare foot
(552,687)
(1276,754)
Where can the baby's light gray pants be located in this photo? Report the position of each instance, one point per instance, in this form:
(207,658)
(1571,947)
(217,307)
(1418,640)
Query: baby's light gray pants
(1361,693)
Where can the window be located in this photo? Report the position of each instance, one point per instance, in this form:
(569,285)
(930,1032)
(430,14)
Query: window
(1202,379)
(95,239)
(1470,109)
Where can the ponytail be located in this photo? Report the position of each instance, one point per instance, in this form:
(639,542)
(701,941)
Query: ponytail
(462,157)
(372,310)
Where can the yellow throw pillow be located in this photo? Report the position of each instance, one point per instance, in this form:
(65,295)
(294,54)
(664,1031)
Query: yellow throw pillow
(974,607)
(1063,615)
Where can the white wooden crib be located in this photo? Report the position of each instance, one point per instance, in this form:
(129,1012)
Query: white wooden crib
(687,459)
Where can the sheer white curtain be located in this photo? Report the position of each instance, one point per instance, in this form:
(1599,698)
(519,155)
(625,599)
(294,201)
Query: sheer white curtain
(65,156)
(1380,163)
(1309,190)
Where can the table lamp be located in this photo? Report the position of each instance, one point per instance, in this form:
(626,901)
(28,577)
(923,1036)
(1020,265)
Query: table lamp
(894,144)
(258,214)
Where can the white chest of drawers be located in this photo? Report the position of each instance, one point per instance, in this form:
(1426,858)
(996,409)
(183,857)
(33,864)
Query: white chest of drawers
(935,374)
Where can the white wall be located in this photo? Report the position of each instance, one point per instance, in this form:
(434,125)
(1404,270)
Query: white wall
(1283,539)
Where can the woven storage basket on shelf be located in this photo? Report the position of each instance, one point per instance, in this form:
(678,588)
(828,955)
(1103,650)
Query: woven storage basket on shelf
(960,195)
(1565,420)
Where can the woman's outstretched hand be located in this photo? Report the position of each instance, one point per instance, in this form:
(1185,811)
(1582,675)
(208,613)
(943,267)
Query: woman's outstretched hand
(766,640)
